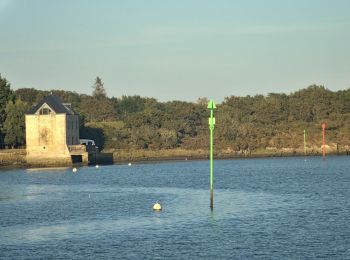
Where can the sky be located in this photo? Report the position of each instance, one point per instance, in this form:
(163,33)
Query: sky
(176,49)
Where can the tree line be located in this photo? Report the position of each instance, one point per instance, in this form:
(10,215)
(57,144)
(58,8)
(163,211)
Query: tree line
(249,123)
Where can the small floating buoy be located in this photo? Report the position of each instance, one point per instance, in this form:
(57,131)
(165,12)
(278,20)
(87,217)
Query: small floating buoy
(157,207)
(74,169)
(97,166)
(129,164)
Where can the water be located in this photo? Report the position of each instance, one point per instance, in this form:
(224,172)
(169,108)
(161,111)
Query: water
(279,208)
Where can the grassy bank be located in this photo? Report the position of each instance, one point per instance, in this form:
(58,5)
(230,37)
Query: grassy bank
(183,154)
(152,155)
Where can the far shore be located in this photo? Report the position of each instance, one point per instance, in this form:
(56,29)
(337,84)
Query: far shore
(180,155)
(15,158)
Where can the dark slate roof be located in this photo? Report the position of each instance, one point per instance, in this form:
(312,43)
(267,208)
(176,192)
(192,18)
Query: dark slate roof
(55,103)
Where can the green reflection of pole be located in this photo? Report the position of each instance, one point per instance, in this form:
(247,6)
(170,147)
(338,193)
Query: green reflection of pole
(304,142)
(211,106)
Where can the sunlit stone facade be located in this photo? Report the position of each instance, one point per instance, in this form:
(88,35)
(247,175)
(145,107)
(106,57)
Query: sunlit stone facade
(51,127)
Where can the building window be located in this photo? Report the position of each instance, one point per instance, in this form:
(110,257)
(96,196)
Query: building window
(45,111)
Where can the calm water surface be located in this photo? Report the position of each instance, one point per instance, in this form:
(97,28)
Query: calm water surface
(281,208)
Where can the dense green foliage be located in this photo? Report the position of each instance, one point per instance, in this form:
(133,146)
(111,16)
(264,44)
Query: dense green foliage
(14,125)
(6,95)
(244,124)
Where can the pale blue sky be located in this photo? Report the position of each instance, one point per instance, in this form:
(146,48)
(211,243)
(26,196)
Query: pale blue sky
(176,49)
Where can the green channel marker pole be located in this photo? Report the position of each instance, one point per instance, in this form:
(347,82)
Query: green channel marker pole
(211,106)
(304,142)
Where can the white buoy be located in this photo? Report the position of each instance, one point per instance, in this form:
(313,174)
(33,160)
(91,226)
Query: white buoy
(157,207)
(129,163)
(97,166)
(74,169)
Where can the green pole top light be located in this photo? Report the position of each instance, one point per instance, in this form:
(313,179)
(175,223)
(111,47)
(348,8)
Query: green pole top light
(211,104)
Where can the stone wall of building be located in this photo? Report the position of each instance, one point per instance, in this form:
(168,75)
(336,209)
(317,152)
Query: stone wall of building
(72,129)
(46,138)
(13,158)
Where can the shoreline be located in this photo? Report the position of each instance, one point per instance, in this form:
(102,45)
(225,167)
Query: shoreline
(123,156)
(175,159)
(15,159)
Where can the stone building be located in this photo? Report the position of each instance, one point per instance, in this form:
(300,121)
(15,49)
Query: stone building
(52,134)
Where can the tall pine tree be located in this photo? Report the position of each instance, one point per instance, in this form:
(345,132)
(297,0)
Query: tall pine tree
(99,90)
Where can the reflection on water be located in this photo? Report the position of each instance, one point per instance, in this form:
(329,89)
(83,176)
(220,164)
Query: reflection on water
(6,198)
(51,169)
(263,208)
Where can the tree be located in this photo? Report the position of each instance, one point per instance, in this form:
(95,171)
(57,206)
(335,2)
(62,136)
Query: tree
(202,101)
(6,95)
(168,138)
(28,95)
(127,105)
(99,90)
(14,125)
(96,109)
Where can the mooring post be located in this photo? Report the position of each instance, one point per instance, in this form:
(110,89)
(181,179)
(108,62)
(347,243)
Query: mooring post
(323,141)
(211,106)
(304,142)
